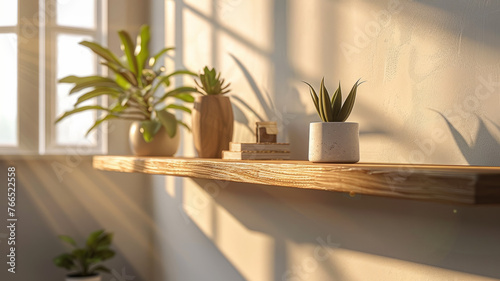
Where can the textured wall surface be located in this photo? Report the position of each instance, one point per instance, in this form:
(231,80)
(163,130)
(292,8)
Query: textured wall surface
(432,96)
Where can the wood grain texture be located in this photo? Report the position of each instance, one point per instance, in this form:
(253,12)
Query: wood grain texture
(451,184)
(212,119)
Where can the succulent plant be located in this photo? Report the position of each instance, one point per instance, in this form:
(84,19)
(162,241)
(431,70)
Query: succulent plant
(211,83)
(135,89)
(332,110)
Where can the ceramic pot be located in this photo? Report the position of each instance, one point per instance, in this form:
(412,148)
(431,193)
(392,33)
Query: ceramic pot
(85,278)
(161,145)
(212,119)
(334,142)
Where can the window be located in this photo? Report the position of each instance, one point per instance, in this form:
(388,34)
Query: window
(8,73)
(38,46)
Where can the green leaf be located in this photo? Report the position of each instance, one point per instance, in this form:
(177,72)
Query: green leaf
(80,109)
(176,92)
(122,82)
(94,237)
(324,102)
(104,241)
(72,79)
(65,261)
(96,93)
(142,47)
(154,59)
(179,72)
(166,79)
(128,48)
(149,129)
(139,99)
(161,80)
(349,102)
(99,121)
(176,106)
(101,51)
(79,253)
(117,107)
(184,125)
(185,97)
(314,97)
(105,254)
(337,103)
(123,73)
(89,81)
(168,121)
(68,240)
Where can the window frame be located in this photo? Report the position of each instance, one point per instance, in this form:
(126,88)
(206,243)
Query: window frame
(52,30)
(36,78)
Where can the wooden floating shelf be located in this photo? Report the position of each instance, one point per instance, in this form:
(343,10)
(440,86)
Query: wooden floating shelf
(450,184)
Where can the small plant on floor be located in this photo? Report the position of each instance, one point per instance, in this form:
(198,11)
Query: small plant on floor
(85,261)
(211,84)
(332,110)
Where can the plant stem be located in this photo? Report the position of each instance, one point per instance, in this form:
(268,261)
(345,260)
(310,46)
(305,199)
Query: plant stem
(140,107)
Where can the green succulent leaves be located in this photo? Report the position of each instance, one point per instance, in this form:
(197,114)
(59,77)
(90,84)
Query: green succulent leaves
(137,89)
(84,260)
(211,84)
(331,109)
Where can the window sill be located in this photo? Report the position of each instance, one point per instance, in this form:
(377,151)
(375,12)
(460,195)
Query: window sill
(49,157)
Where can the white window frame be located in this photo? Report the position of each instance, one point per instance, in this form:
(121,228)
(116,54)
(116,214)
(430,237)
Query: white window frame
(5,30)
(36,78)
(48,144)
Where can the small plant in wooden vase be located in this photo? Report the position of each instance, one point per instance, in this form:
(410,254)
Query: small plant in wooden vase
(333,140)
(212,115)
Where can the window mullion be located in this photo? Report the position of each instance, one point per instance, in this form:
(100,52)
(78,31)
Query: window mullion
(52,31)
(28,76)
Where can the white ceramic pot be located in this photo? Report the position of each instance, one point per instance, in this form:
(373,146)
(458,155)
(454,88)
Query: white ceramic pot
(334,142)
(161,145)
(86,278)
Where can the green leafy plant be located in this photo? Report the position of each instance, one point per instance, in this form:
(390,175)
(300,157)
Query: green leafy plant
(138,89)
(211,83)
(331,109)
(85,261)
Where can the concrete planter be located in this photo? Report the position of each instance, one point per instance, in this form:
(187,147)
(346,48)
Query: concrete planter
(334,142)
(161,145)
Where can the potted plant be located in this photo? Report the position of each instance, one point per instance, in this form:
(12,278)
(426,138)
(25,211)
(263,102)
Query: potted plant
(333,140)
(85,262)
(137,92)
(212,115)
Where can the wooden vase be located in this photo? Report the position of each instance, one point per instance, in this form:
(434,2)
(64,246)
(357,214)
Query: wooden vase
(212,119)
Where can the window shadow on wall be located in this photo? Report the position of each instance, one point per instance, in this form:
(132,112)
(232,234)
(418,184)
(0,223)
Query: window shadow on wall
(483,150)
(418,232)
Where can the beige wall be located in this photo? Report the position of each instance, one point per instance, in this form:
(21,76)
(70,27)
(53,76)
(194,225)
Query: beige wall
(419,58)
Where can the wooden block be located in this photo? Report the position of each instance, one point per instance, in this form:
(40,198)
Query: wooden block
(277,147)
(254,155)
